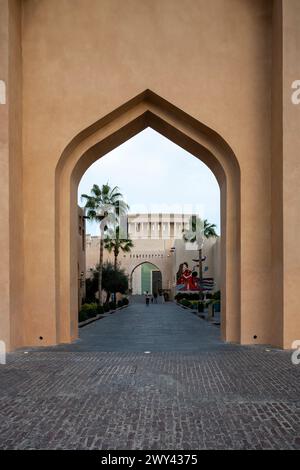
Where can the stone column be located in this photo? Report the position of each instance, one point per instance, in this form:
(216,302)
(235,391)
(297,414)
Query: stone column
(291,172)
(11,214)
(285,174)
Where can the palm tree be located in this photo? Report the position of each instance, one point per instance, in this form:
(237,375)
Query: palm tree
(116,245)
(198,230)
(103,205)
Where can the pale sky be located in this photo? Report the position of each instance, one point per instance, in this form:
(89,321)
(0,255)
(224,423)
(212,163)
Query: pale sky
(156,175)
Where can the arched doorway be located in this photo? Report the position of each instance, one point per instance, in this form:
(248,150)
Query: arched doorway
(150,279)
(146,110)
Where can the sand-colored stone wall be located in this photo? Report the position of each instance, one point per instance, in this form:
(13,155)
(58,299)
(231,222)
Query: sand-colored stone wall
(228,64)
(209,59)
(11,181)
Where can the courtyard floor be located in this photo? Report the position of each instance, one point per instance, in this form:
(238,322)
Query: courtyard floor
(191,391)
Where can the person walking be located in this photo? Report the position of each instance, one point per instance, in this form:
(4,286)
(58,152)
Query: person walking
(147,298)
(161,297)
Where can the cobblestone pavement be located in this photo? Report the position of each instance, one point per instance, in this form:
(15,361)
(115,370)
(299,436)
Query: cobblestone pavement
(215,397)
(139,328)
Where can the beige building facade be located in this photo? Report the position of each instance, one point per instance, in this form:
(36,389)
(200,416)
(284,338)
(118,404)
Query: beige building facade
(79,78)
(157,240)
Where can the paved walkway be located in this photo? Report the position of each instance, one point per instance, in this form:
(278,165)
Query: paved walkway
(139,328)
(191,392)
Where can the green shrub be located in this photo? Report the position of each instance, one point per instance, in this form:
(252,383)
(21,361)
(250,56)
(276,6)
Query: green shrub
(88,311)
(194,296)
(217,295)
(188,296)
(100,310)
(82,316)
(112,305)
(185,303)
(92,310)
(106,308)
(125,301)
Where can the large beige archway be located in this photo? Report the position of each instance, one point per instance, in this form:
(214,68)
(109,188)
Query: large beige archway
(145,110)
(231,67)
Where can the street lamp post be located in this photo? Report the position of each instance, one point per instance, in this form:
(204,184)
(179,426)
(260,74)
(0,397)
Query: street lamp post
(200,246)
(101,217)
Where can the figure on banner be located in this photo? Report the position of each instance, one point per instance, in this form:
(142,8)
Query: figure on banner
(187,280)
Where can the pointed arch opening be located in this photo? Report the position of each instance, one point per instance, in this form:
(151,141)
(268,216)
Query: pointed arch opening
(145,286)
(145,110)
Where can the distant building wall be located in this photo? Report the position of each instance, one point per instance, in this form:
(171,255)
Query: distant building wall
(137,281)
(157,239)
